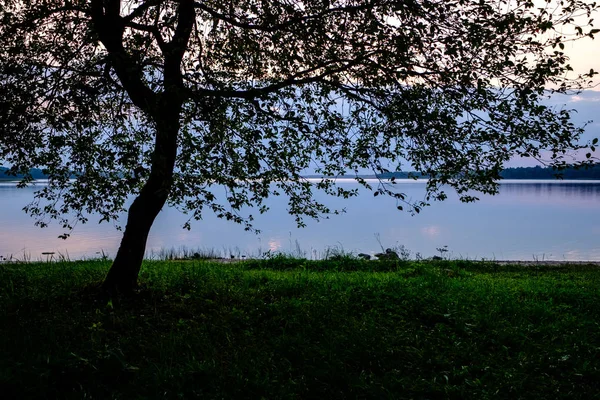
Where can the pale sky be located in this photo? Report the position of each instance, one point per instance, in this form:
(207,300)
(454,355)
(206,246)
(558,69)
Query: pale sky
(584,54)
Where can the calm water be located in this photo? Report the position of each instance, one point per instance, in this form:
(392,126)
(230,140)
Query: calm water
(528,220)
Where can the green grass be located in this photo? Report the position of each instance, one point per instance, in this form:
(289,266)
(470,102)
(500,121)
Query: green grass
(295,329)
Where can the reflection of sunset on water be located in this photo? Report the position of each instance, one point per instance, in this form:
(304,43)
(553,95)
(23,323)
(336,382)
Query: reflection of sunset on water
(30,242)
(583,194)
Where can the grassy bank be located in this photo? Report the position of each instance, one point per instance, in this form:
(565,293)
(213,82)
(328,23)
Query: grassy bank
(292,329)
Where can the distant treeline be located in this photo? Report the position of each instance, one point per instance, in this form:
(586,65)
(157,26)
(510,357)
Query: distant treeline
(592,172)
(35,173)
(537,172)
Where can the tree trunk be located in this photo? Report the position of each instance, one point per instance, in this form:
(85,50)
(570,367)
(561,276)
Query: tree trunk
(123,274)
(164,108)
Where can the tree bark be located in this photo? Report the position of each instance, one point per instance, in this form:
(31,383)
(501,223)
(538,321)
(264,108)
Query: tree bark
(123,274)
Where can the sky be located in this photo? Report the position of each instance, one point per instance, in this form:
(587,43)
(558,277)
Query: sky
(584,54)
(587,112)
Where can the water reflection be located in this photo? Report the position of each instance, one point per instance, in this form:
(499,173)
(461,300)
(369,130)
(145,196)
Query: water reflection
(526,220)
(567,189)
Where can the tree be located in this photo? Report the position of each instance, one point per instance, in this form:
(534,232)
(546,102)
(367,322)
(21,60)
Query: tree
(164,100)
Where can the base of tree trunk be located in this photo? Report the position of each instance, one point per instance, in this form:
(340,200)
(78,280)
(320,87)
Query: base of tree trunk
(120,280)
(123,274)
(122,277)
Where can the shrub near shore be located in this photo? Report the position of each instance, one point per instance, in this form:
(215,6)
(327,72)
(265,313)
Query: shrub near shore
(287,328)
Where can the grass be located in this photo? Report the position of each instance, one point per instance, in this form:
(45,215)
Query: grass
(285,328)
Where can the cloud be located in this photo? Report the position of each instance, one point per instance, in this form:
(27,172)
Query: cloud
(431,231)
(274,244)
(594,98)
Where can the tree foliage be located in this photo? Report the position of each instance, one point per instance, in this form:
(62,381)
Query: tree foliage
(174,98)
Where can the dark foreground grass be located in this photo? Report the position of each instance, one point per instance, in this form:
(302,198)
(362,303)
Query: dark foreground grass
(292,329)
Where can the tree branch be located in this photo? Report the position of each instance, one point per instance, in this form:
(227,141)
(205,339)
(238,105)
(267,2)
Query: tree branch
(110,27)
(150,29)
(138,12)
(177,47)
(282,25)
(31,23)
(292,80)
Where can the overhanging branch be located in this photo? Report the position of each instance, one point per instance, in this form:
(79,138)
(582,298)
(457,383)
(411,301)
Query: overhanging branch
(110,26)
(281,25)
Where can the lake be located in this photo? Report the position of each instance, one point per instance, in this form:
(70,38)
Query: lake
(527,220)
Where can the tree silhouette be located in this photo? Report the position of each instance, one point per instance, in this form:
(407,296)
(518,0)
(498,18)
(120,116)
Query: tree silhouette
(166,100)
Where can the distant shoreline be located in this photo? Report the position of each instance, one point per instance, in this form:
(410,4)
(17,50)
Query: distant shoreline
(373,177)
(519,173)
(424,178)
